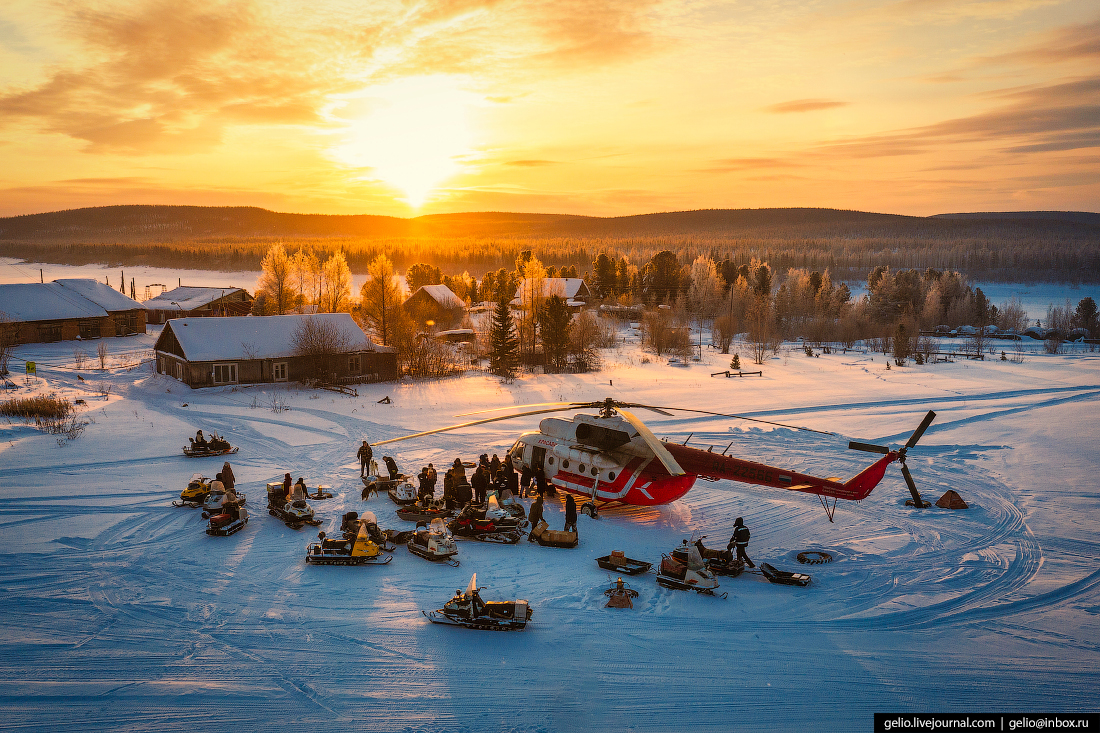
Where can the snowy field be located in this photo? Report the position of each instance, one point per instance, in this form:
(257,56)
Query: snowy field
(120,613)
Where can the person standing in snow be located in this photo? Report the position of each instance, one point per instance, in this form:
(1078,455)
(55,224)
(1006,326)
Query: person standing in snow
(227,476)
(525,476)
(541,487)
(570,513)
(480,483)
(432,478)
(365,454)
(535,516)
(740,540)
(494,469)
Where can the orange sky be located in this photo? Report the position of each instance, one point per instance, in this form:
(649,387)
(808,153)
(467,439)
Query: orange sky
(572,106)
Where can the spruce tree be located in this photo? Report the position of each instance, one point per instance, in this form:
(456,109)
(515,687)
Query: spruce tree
(503,345)
(555,322)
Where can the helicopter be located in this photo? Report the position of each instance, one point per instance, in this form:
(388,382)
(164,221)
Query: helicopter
(613,459)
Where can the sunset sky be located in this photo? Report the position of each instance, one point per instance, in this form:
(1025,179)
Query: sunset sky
(601,107)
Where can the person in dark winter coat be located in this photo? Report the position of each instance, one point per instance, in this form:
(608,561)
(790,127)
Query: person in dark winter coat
(740,540)
(287,481)
(464,493)
(227,476)
(494,469)
(480,483)
(423,489)
(433,477)
(570,513)
(525,477)
(449,488)
(365,454)
(459,471)
(391,467)
(541,486)
(535,515)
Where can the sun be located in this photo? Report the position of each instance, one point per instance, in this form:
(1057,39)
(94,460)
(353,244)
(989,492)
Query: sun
(410,133)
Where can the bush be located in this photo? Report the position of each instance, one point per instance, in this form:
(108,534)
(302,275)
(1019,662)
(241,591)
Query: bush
(43,406)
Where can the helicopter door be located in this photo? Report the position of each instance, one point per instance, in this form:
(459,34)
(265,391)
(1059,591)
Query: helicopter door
(538,457)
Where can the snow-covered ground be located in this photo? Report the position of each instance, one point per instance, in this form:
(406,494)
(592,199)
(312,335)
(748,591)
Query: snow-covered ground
(120,613)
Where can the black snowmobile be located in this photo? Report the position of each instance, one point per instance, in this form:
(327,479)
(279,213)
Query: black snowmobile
(468,525)
(467,609)
(719,562)
(200,448)
(424,511)
(349,526)
(434,543)
(293,511)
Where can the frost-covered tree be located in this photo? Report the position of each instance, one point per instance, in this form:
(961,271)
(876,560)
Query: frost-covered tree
(275,280)
(503,345)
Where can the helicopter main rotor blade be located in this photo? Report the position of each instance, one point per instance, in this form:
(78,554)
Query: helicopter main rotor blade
(533,404)
(920,429)
(651,440)
(869,447)
(724,414)
(470,424)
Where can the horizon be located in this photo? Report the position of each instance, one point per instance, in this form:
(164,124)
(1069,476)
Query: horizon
(604,109)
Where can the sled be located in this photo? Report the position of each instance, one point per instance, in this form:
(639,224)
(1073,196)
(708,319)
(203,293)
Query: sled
(783,577)
(204,452)
(223,525)
(617,562)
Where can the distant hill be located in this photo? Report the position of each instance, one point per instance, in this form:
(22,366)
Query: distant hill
(175,223)
(1014,246)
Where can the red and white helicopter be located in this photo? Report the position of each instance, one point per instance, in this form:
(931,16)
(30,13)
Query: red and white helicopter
(613,458)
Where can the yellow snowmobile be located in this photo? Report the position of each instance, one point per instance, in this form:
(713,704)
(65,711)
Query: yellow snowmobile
(338,551)
(198,488)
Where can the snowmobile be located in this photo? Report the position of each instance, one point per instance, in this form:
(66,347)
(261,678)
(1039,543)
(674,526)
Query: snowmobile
(434,542)
(295,513)
(509,505)
(492,512)
(215,500)
(468,525)
(619,562)
(226,520)
(216,446)
(195,494)
(349,526)
(620,595)
(403,494)
(550,538)
(424,511)
(689,575)
(467,609)
(719,562)
(360,551)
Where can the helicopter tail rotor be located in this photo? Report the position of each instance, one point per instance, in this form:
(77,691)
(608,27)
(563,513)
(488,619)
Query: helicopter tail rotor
(917,501)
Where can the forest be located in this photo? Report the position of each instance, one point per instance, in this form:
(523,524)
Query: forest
(992,247)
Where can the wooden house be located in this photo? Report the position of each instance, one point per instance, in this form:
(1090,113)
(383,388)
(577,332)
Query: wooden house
(68,309)
(211,352)
(188,301)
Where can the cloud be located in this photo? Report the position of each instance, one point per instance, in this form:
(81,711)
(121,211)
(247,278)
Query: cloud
(1069,43)
(1062,116)
(804,105)
(531,163)
(728,165)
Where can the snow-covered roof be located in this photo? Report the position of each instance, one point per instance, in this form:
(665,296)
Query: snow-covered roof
(255,337)
(567,287)
(443,295)
(102,295)
(45,302)
(187,298)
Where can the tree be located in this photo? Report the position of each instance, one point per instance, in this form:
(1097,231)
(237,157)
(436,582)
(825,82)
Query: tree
(604,273)
(422,274)
(555,322)
(379,298)
(532,294)
(275,280)
(762,339)
(303,267)
(9,338)
(661,276)
(320,340)
(335,296)
(903,345)
(503,346)
(586,335)
(1086,316)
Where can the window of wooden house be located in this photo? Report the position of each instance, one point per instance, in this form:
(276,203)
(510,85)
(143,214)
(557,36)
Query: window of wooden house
(355,364)
(179,370)
(225,374)
(279,371)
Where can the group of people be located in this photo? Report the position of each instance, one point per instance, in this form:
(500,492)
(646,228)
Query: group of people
(292,491)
